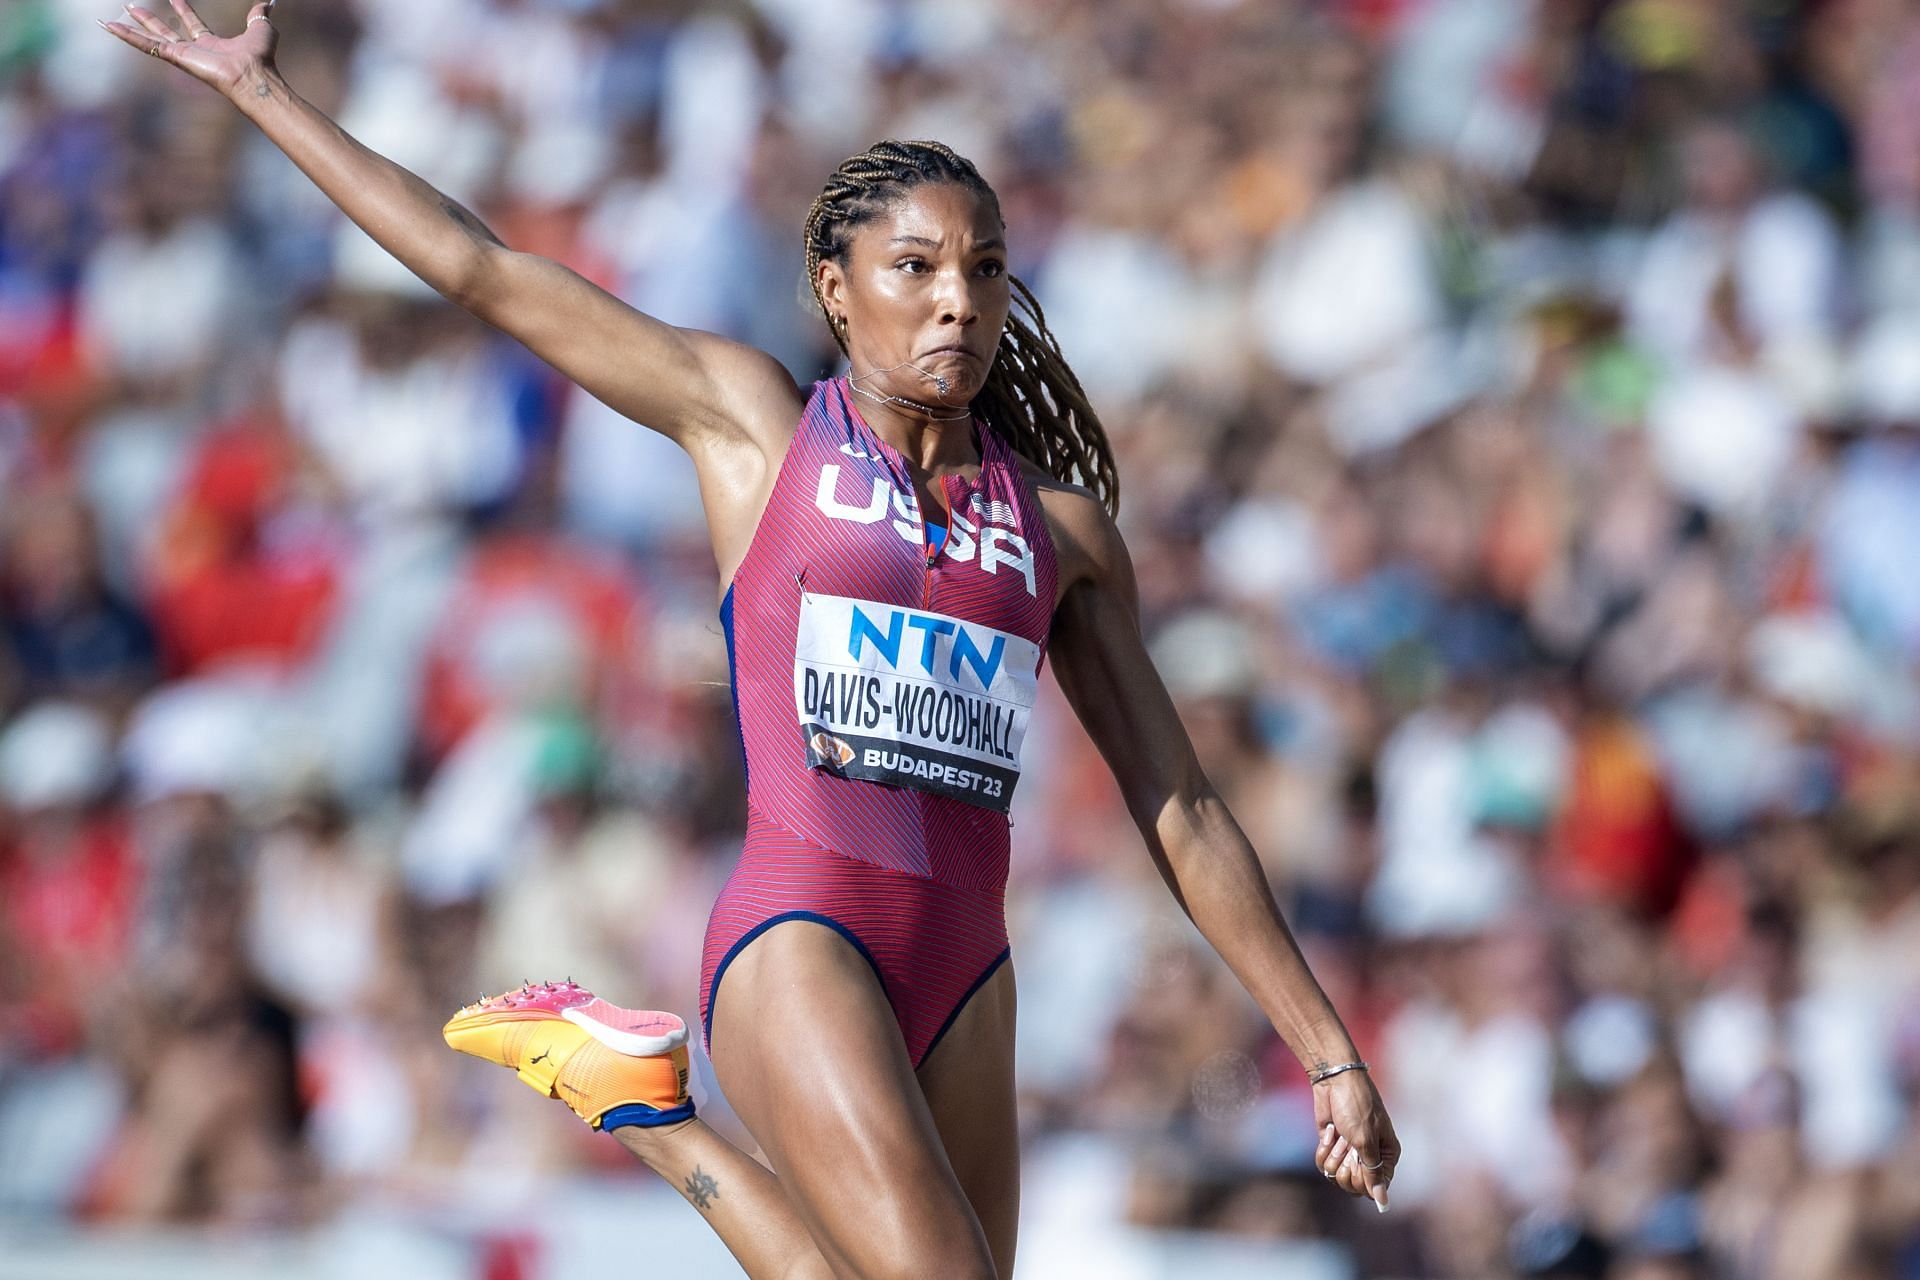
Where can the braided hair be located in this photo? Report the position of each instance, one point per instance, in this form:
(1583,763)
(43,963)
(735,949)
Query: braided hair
(1031,397)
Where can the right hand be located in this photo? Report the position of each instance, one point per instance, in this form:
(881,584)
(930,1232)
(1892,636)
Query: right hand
(1355,1133)
(225,63)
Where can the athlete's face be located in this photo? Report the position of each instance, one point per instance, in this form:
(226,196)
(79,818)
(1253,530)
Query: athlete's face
(925,284)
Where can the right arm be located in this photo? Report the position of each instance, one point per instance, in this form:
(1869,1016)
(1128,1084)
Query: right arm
(697,388)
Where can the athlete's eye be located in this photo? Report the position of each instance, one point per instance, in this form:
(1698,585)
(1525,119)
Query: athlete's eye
(993,267)
(913,266)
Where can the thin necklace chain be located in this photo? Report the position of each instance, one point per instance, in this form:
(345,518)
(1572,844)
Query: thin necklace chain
(877,398)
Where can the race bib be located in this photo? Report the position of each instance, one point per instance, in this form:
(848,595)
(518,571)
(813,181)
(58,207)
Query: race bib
(913,699)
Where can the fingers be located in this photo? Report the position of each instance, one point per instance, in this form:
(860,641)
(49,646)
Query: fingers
(1320,1149)
(1351,1178)
(138,39)
(189,19)
(260,13)
(1366,1152)
(1376,1158)
(1329,1151)
(1373,1183)
(1345,1164)
(1337,1161)
(151,23)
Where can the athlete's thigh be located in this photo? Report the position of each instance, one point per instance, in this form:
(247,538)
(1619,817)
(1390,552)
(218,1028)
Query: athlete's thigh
(968,1082)
(811,1059)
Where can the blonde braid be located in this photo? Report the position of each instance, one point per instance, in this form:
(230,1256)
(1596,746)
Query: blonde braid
(1031,397)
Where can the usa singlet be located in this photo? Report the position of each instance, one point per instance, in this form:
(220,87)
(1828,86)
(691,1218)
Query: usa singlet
(883,686)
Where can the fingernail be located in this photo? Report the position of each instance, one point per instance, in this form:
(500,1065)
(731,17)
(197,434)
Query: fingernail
(1380,1199)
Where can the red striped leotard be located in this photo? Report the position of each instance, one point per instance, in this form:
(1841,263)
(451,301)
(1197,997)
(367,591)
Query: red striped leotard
(912,875)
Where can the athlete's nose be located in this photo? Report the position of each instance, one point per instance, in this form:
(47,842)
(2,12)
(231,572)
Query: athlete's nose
(955,299)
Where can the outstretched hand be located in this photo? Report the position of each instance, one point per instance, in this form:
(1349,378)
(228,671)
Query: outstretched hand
(1357,1149)
(226,63)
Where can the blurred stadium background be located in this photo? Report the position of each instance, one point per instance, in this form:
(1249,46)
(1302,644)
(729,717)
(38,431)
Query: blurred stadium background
(1518,406)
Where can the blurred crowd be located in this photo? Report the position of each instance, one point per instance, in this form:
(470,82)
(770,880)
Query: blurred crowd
(1517,405)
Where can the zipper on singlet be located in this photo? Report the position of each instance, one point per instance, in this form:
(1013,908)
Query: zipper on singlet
(933,552)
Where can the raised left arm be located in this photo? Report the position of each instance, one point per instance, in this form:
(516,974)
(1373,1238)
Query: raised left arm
(1101,662)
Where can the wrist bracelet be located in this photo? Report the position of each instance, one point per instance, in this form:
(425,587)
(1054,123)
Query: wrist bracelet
(1328,1073)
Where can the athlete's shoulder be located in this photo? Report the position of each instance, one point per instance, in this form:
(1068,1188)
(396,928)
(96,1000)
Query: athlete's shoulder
(818,393)
(1046,483)
(1086,540)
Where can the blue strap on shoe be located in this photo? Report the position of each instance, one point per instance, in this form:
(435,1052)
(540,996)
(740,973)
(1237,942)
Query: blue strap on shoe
(644,1116)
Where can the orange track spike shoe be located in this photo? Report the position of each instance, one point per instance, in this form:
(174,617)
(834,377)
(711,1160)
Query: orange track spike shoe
(612,1066)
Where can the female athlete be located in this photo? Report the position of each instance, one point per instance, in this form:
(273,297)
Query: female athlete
(902,544)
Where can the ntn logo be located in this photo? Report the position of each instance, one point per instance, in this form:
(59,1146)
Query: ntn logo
(963,647)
